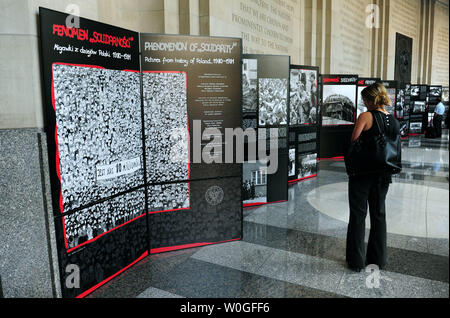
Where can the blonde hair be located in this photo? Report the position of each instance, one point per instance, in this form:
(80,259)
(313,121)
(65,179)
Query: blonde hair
(377,95)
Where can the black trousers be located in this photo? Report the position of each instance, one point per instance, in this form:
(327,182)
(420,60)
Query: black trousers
(366,191)
(437,123)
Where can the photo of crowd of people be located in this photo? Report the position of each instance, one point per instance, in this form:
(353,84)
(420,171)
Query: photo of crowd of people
(166,122)
(98,118)
(168,197)
(307,165)
(87,224)
(339,104)
(303,97)
(273,101)
(249,85)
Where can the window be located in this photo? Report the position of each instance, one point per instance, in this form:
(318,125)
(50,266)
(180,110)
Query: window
(259,177)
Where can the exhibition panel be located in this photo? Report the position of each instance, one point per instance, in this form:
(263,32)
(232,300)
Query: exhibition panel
(434,97)
(402,109)
(338,114)
(418,105)
(94,137)
(265,107)
(445,102)
(132,172)
(303,122)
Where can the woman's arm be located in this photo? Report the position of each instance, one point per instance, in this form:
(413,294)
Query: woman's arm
(363,123)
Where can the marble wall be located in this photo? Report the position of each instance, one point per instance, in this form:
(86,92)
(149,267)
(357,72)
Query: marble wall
(266,26)
(404,18)
(439,68)
(350,43)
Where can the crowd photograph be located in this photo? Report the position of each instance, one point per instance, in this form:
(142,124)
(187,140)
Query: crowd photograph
(98,120)
(166,122)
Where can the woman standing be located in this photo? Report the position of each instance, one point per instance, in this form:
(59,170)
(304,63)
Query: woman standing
(370,189)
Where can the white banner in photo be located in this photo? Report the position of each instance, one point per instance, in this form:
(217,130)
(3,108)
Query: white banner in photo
(118,169)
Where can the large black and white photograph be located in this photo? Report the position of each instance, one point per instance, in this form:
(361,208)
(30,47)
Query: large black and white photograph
(444,96)
(87,224)
(415,128)
(273,101)
(419,107)
(307,165)
(415,91)
(166,126)
(303,97)
(254,187)
(250,85)
(361,105)
(339,105)
(98,116)
(169,197)
(291,169)
(435,91)
(392,92)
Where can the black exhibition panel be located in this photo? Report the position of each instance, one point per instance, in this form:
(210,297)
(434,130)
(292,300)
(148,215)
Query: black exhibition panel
(434,96)
(94,135)
(391,87)
(444,98)
(265,108)
(191,96)
(338,113)
(402,109)
(418,109)
(303,122)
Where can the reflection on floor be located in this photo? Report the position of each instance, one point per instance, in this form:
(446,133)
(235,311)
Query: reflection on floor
(297,248)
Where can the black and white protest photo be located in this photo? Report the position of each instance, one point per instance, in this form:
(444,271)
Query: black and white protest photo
(339,104)
(168,197)
(87,224)
(307,165)
(250,85)
(98,118)
(272,101)
(303,97)
(166,126)
(254,187)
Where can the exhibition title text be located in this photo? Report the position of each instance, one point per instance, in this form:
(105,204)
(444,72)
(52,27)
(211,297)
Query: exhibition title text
(192,47)
(96,37)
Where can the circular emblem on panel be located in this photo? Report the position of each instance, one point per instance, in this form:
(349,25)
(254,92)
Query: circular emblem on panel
(214,195)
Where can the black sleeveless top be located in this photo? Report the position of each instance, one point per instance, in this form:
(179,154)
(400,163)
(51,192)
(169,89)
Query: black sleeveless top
(391,128)
(387,123)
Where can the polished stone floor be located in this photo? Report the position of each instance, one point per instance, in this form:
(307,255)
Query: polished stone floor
(297,248)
